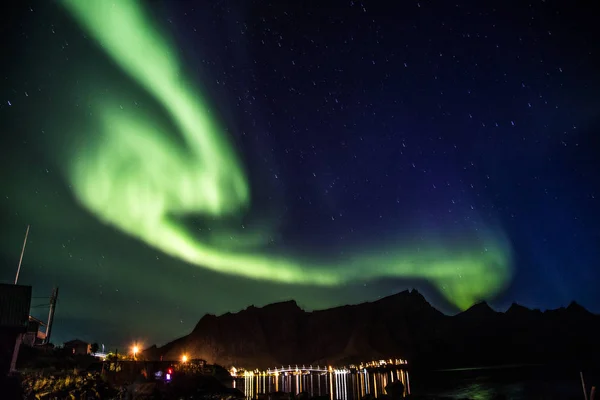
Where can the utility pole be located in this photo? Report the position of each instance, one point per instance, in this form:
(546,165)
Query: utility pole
(22,252)
(53,299)
(19,339)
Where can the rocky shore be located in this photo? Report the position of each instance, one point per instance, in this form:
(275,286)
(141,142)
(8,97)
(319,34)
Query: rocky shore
(91,386)
(66,385)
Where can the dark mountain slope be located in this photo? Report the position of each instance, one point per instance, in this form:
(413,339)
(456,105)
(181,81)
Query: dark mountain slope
(404,325)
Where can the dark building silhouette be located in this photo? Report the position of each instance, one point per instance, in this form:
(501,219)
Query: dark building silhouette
(15,301)
(36,334)
(78,347)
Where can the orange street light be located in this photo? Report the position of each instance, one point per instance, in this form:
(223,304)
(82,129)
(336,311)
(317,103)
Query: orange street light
(135,351)
(184,358)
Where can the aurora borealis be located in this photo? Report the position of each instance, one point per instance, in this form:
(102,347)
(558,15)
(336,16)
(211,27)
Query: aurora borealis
(155,189)
(136,179)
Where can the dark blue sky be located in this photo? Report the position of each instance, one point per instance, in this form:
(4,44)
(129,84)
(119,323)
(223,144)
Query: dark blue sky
(357,121)
(419,110)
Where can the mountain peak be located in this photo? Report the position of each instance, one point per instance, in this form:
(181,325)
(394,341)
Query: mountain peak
(516,308)
(205,320)
(577,308)
(481,309)
(287,305)
(407,295)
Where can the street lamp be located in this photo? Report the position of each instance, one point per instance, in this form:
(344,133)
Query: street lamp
(184,358)
(135,351)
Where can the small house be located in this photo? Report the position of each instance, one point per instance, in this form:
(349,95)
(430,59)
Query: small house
(35,334)
(78,347)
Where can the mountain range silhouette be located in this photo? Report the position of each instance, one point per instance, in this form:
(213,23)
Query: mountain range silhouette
(403,325)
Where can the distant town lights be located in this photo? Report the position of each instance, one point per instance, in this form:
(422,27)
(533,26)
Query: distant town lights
(297,370)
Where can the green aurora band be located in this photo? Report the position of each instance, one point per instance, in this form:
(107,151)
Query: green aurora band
(137,179)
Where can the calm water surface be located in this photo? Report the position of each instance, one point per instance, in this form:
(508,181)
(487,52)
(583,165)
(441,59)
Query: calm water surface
(338,386)
(478,384)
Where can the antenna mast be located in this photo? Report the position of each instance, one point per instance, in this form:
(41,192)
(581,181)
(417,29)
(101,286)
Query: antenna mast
(22,252)
(53,299)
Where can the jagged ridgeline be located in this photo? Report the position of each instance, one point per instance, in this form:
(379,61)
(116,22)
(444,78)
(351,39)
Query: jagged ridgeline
(404,325)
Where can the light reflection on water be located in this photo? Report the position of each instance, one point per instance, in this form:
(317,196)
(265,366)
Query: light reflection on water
(338,386)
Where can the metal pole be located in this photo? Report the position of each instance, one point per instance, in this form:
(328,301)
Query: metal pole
(22,252)
(53,299)
(583,385)
(15,355)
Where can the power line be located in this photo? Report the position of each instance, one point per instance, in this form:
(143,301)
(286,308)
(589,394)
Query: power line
(41,305)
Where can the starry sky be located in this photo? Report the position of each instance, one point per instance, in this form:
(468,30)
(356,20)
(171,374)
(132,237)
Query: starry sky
(184,157)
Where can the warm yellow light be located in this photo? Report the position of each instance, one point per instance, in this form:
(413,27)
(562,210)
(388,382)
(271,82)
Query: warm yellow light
(184,358)
(135,350)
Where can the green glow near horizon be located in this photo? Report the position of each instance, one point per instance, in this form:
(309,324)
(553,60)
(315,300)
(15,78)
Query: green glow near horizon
(137,178)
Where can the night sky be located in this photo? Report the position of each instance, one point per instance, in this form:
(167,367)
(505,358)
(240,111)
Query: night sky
(177,158)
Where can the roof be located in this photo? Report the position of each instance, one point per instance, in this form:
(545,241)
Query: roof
(15,301)
(75,342)
(39,321)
